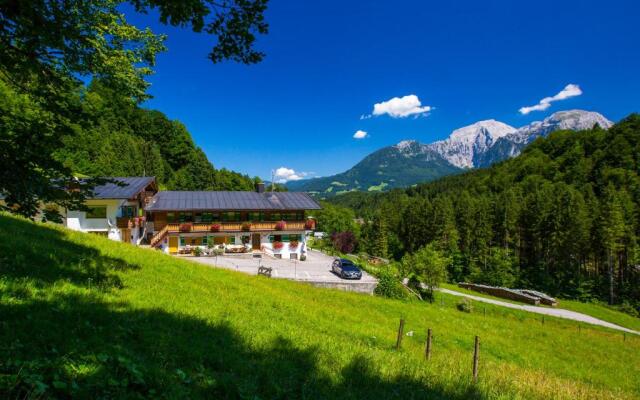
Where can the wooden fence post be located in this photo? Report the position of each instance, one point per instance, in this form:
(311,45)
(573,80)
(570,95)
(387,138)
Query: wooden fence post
(476,354)
(400,334)
(428,349)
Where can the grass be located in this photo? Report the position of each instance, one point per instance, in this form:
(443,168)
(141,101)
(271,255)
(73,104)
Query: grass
(597,310)
(85,317)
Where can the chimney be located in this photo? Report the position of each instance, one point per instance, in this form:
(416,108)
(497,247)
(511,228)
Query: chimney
(260,187)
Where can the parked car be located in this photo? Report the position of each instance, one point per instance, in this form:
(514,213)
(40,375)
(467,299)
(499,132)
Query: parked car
(346,269)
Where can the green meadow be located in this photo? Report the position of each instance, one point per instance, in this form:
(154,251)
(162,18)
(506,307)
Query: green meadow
(85,317)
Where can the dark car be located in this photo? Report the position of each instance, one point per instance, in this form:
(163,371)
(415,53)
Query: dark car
(346,269)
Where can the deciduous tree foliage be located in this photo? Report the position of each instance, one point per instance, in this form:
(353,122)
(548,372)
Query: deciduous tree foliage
(562,217)
(47,46)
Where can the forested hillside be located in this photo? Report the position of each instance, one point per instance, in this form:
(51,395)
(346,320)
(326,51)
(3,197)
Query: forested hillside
(561,217)
(120,138)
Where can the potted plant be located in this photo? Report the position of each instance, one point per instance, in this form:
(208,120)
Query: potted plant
(215,228)
(293,244)
(278,245)
(280,226)
(310,224)
(246,226)
(197,251)
(185,227)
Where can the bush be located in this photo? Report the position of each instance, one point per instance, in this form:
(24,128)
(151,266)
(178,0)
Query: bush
(344,242)
(293,244)
(465,305)
(303,257)
(278,245)
(197,251)
(389,285)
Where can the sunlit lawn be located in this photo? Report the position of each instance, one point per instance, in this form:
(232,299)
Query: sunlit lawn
(82,316)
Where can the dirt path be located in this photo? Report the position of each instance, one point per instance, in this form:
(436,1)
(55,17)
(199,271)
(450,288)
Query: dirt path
(556,312)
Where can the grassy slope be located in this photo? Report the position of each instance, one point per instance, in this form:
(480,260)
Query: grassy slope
(596,310)
(85,316)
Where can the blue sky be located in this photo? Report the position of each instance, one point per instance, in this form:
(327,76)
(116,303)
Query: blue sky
(327,64)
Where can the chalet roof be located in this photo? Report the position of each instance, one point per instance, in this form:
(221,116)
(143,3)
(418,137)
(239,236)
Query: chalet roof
(131,186)
(221,200)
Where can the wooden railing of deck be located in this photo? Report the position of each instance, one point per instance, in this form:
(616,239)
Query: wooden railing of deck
(233,226)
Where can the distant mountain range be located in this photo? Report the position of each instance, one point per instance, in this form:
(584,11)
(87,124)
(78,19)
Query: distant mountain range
(475,146)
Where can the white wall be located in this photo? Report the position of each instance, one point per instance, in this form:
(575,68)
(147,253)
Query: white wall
(78,221)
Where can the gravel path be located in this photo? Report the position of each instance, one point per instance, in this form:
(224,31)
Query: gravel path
(556,312)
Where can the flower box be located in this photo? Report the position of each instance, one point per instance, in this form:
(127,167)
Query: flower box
(185,227)
(310,224)
(246,226)
(215,228)
(280,226)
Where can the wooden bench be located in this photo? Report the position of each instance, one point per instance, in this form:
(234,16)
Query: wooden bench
(265,271)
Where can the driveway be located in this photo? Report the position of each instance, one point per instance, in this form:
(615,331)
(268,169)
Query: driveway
(316,269)
(555,312)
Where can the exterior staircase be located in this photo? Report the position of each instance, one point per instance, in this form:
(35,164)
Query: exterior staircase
(157,238)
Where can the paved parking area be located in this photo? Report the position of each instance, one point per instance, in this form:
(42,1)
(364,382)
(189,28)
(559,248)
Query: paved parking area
(316,268)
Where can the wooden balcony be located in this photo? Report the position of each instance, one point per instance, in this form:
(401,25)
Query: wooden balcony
(123,222)
(187,227)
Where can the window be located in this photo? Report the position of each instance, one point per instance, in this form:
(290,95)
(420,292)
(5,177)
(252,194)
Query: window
(231,240)
(182,241)
(276,217)
(97,212)
(186,217)
(197,217)
(275,238)
(207,217)
(171,217)
(256,216)
(127,211)
(295,237)
(231,216)
(285,238)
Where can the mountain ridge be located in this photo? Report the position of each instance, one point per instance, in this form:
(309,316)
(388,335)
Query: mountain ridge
(477,145)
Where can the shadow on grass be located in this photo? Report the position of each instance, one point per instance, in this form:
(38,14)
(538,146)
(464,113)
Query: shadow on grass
(45,256)
(67,345)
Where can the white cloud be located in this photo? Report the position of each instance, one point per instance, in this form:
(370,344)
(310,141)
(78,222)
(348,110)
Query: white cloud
(360,134)
(284,174)
(399,107)
(570,90)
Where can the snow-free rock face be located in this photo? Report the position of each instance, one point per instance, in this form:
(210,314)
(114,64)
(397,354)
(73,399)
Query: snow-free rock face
(466,144)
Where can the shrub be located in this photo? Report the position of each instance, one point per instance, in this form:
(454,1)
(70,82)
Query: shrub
(344,242)
(246,226)
(197,251)
(389,285)
(280,226)
(278,245)
(215,228)
(465,305)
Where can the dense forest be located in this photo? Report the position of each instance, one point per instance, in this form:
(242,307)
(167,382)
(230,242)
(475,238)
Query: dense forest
(562,217)
(120,138)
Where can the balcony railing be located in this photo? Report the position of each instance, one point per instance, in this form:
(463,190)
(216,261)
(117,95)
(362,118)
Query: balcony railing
(235,226)
(128,222)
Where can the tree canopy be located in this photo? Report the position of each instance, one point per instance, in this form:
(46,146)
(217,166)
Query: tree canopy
(47,49)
